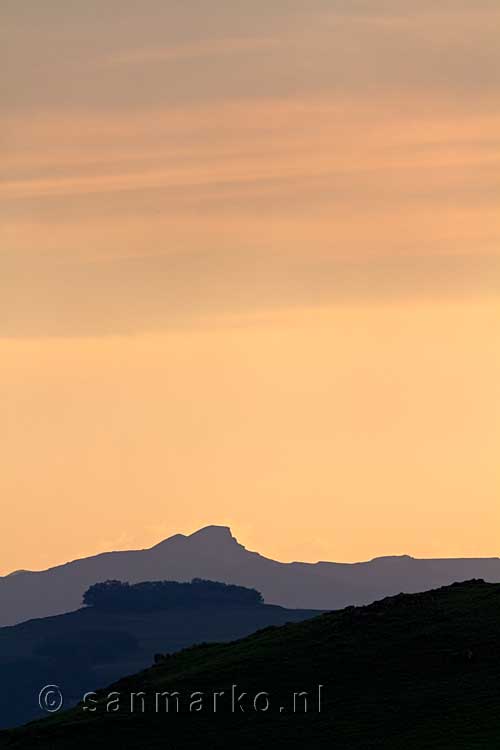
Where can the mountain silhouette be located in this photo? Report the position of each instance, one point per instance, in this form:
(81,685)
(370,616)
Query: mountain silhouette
(214,553)
(418,672)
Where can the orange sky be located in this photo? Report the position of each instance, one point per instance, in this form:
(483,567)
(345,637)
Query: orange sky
(249,275)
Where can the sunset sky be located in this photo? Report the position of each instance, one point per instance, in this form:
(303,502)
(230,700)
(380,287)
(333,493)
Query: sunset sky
(250,275)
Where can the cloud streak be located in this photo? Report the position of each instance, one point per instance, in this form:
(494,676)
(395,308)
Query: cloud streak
(155,293)
(347,137)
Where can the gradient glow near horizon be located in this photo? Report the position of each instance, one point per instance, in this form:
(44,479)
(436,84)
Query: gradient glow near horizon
(250,276)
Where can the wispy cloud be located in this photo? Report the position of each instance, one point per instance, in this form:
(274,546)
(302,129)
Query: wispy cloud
(185,289)
(353,130)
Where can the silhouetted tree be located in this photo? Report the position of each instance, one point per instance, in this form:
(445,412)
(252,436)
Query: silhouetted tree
(154,595)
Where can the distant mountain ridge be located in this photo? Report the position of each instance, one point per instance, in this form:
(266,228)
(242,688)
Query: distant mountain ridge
(214,553)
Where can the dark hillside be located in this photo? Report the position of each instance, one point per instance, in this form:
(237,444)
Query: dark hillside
(411,672)
(95,645)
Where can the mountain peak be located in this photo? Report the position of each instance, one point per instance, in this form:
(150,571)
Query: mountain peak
(209,537)
(213,533)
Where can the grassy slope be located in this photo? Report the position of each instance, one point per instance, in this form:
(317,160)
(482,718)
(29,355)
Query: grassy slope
(412,672)
(24,673)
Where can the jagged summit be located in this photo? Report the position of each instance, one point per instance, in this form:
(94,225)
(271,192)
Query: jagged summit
(214,533)
(215,539)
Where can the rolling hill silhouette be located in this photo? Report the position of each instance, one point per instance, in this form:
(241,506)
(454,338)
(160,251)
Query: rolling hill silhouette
(419,672)
(94,645)
(213,552)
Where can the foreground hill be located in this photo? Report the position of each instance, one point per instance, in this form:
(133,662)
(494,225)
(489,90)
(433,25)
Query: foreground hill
(214,553)
(95,645)
(412,672)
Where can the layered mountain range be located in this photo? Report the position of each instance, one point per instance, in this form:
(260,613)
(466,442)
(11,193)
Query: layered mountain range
(213,553)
